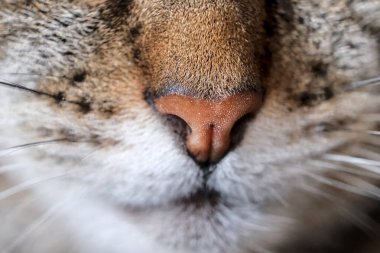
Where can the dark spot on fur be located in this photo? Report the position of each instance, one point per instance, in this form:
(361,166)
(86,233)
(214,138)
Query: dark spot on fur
(135,31)
(56,37)
(60,97)
(61,23)
(307,98)
(317,44)
(351,45)
(41,10)
(68,53)
(90,29)
(301,20)
(76,14)
(136,54)
(85,105)
(326,127)
(44,55)
(328,93)
(80,77)
(107,107)
(319,69)
(68,133)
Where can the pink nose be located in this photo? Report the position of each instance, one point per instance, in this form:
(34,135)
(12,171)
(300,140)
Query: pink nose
(210,121)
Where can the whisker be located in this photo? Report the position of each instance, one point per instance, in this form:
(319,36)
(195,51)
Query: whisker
(33,227)
(32,74)
(352,214)
(9,150)
(369,171)
(368,132)
(351,160)
(37,143)
(57,96)
(29,184)
(279,198)
(260,249)
(370,191)
(21,87)
(17,208)
(364,83)
(36,224)
(374,133)
(365,151)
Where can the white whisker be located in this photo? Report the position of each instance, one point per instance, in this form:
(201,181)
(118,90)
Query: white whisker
(351,160)
(11,150)
(32,74)
(368,170)
(368,189)
(29,184)
(377,133)
(353,214)
(259,249)
(18,207)
(365,151)
(279,198)
(364,83)
(46,216)
(368,132)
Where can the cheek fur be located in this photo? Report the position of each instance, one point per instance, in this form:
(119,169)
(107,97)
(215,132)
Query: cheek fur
(92,131)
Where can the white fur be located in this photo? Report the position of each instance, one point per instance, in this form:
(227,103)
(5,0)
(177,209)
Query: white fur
(131,188)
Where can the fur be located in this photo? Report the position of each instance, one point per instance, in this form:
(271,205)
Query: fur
(111,176)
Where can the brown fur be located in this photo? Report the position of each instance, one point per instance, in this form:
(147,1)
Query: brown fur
(100,60)
(203,48)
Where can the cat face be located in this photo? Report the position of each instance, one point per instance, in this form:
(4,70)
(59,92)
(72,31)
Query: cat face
(92,73)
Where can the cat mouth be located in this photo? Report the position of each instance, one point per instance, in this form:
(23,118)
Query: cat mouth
(202,197)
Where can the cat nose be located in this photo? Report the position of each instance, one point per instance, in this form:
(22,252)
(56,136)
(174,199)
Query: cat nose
(210,120)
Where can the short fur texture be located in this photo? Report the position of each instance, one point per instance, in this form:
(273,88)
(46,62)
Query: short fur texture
(102,171)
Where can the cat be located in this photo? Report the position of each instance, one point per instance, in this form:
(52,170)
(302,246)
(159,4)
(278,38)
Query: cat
(189,126)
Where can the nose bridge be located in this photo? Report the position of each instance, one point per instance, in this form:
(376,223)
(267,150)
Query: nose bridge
(210,121)
(217,53)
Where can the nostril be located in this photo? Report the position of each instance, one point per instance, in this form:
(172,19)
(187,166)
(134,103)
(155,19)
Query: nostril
(239,128)
(177,125)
